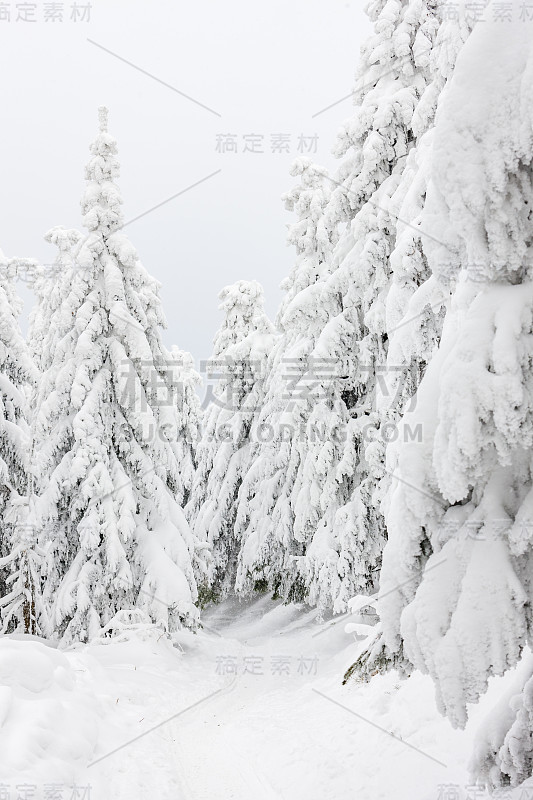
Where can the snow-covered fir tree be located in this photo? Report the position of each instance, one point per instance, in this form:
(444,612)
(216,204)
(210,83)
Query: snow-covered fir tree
(22,602)
(415,300)
(19,570)
(265,520)
(109,413)
(326,525)
(49,286)
(456,580)
(240,352)
(185,379)
(382,138)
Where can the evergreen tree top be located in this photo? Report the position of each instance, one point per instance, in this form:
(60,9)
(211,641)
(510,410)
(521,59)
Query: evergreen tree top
(103,118)
(102,201)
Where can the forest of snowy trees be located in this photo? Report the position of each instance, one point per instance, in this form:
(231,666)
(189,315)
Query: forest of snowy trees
(371,445)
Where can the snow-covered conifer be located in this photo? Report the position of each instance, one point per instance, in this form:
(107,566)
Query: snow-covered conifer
(326,517)
(17,377)
(48,284)
(456,578)
(107,417)
(379,143)
(240,352)
(187,437)
(266,517)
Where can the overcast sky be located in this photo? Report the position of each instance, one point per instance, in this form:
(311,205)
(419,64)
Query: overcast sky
(252,68)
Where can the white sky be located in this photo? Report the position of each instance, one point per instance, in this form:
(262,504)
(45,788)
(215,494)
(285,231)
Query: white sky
(266,68)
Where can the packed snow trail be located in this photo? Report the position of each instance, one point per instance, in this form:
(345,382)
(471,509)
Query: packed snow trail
(139,716)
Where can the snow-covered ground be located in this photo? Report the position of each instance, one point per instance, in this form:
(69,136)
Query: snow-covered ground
(250,707)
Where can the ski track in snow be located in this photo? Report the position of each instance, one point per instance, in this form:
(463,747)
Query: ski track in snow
(263,736)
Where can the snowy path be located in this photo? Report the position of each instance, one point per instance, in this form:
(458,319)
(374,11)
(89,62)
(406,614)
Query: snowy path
(145,719)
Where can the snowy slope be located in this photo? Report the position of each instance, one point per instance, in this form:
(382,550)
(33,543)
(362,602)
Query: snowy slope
(277,732)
